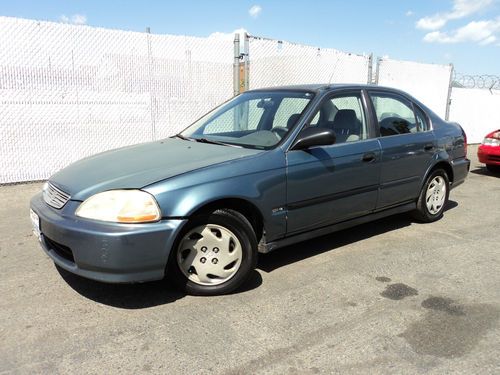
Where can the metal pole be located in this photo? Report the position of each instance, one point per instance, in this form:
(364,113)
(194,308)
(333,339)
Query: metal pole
(377,68)
(151,96)
(246,61)
(236,65)
(448,99)
(370,68)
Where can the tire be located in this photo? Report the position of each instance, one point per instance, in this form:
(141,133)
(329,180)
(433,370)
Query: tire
(433,197)
(214,254)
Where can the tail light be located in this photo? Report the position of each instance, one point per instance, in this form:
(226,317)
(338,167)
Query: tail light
(492,139)
(465,141)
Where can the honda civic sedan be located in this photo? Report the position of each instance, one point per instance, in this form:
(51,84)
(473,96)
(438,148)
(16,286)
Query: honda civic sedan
(266,169)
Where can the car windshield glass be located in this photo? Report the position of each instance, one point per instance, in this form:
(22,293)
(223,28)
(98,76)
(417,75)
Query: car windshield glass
(258,119)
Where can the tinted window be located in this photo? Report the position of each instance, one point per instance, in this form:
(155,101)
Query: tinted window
(395,115)
(422,123)
(344,114)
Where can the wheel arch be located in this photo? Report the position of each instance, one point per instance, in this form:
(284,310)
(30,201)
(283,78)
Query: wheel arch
(439,164)
(442,165)
(243,206)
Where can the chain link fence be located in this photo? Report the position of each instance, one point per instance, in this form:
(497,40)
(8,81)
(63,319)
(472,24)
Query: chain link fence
(70,91)
(276,62)
(430,83)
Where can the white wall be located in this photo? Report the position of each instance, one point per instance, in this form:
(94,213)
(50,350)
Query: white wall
(477,110)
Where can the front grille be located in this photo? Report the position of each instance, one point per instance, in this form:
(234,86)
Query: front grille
(54,197)
(61,250)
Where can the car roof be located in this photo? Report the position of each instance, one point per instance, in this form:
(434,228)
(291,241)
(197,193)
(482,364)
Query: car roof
(324,87)
(321,88)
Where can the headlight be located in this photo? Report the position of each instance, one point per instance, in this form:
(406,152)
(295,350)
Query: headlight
(121,206)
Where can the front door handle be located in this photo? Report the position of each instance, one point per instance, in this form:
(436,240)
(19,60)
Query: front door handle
(369,157)
(429,147)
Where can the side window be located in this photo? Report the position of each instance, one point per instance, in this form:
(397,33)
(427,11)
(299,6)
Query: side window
(395,115)
(343,114)
(422,123)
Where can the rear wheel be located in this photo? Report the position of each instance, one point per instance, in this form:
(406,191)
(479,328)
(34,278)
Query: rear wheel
(433,197)
(214,254)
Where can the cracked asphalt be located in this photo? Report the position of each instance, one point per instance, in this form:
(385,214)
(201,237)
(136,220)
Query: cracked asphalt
(388,297)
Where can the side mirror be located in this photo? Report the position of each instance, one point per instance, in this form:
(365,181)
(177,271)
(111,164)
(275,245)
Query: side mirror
(310,137)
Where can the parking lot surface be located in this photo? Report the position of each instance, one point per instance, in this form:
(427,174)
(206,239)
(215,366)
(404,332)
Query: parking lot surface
(392,296)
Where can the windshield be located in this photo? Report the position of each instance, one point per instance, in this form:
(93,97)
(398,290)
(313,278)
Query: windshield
(254,119)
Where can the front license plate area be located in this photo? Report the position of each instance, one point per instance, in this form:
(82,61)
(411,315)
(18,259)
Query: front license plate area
(35,223)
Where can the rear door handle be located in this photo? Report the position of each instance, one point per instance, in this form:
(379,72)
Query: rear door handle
(429,147)
(369,157)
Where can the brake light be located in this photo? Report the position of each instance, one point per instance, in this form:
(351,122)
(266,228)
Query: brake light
(492,139)
(465,141)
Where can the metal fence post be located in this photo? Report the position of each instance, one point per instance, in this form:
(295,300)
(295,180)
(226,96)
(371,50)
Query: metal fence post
(151,95)
(377,69)
(236,65)
(448,100)
(246,64)
(370,68)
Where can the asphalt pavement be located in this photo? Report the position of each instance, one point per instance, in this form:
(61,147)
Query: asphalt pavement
(388,297)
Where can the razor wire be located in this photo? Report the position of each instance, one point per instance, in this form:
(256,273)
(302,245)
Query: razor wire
(480,81)
(69,91)
(275,62)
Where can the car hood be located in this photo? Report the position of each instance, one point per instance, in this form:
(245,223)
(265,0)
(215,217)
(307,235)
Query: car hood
(137,166)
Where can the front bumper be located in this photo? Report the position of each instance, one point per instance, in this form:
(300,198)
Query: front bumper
(489,154)
(109,252)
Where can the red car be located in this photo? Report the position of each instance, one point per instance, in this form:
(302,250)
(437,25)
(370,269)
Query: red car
(489,151)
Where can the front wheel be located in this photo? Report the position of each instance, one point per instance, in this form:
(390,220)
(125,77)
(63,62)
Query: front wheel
(214,254)
(433,197)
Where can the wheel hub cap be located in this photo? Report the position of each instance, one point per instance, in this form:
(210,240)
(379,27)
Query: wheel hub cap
(435,195)
(209,254)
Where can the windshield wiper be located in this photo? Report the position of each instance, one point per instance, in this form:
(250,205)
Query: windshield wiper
(205,140)
(183,137)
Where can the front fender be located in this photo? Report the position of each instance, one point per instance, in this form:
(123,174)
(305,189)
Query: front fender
(259,180)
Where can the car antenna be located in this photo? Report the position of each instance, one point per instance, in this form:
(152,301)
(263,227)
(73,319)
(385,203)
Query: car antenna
(333,72)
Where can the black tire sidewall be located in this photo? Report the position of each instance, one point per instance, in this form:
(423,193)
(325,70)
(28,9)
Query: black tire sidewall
(241,228)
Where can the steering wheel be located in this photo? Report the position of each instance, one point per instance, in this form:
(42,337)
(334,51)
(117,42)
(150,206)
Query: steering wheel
(279,131)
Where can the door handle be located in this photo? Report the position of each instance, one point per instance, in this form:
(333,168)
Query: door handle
(369,157)
(429,147)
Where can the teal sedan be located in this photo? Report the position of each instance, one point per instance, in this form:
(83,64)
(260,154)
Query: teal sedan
(266,169)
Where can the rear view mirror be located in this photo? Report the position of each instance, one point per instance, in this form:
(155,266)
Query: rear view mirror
(314,136)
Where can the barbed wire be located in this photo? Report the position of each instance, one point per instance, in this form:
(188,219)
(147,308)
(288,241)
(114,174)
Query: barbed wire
(484,81)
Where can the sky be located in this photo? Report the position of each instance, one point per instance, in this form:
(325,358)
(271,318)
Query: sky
(465,33)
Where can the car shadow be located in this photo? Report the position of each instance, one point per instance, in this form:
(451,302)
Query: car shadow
(485,172)
(155,293)
(330,242)
(136,296)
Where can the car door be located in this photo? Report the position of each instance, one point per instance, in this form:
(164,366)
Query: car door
(329,184)
(408,146)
